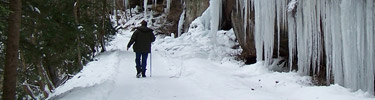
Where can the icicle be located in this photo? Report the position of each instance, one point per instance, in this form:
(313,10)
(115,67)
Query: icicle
(181,23)
(257,34)
(237,5)
(245,19)
(115,13)
(357,24)
(264,37)
(327,38)
(215,18)
(126,4)
(342,29)
(278,25)
(145,9)
(370,51)
(281,20)
(291,34)
(168,6)
(349,42)
(308,37)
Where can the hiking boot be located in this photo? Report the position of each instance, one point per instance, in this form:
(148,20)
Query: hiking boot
(138,75)
(143,73)
(139,72)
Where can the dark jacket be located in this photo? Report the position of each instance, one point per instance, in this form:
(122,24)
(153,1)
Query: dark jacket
(142,39)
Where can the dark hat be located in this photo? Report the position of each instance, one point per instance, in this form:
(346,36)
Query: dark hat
(144,23)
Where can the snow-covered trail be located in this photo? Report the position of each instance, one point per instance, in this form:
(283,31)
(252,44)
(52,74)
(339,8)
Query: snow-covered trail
(171,79)
(183,73)
(161,86)
(167,83)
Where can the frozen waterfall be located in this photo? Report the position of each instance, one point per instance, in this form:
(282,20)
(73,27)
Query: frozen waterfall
(332,37)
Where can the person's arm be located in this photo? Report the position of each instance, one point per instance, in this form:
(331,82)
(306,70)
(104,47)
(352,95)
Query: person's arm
(132,40)
(152,37)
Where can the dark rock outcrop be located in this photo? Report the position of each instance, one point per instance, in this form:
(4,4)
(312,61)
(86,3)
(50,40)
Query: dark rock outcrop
(173,16)
(194,9)
(226,22)
(245,39)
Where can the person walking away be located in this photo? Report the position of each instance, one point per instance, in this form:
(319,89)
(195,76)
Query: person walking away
(142,39)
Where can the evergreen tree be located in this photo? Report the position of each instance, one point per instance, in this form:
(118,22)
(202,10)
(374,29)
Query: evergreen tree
(4,13)
(11,56)
(57,38)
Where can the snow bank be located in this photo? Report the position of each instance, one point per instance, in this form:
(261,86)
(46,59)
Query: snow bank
(197,43)
(268,85)
(103,69)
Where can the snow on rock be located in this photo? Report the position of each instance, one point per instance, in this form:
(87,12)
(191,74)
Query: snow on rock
(292,5)
(198,41)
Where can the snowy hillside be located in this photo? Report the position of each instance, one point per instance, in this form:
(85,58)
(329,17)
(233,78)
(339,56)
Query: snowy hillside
(186,68)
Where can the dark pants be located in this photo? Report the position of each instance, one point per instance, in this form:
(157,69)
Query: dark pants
(141,66)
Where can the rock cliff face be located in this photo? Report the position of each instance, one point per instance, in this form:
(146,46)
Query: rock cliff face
(174,16)
(245,36)
(227,9)
(233,16)
(194,9)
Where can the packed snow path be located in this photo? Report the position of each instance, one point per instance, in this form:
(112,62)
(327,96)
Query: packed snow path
(181,72)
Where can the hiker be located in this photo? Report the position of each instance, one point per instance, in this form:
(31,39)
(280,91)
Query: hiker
(142,39)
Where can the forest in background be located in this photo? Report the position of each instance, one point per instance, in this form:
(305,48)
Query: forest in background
(57,38)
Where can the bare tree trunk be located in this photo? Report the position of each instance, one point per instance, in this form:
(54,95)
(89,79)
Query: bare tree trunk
(126,14)
(79,52)
(115,11)
(26,87)
(76,16)
(76,11)
(101,34)
(52,73)
(11,56)
(44,74)
(101,40)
